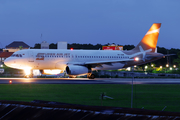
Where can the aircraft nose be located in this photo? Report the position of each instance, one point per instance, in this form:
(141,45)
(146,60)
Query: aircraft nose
(8,61)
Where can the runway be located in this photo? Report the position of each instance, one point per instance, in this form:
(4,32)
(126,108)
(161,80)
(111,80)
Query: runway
(88,81)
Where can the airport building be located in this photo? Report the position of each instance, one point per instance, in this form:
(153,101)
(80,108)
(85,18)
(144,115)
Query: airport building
(112,47)
(4,55)
(62,45)
(11,48)
(15,46)
(44,45)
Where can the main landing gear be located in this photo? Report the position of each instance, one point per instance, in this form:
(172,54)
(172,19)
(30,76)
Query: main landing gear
(72,76)
(29,76)
(90,76)
(28,73)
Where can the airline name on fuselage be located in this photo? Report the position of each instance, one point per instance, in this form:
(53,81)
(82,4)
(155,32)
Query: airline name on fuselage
(41,56)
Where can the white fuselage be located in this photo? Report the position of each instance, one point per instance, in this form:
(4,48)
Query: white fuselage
(59,59)
(78,61)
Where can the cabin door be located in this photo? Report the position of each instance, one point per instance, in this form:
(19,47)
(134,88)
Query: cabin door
(31,57)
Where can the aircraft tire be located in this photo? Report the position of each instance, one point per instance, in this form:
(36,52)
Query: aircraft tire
(92,76)
(72,76)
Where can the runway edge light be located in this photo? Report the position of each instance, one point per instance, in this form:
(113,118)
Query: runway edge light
(10,81)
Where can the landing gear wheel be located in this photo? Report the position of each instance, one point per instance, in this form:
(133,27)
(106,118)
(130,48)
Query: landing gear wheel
(91,76)
(72,76)
(28,76)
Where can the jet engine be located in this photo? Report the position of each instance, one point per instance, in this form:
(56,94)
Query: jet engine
(77,70)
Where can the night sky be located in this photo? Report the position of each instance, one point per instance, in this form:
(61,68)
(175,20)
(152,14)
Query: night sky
(123,22)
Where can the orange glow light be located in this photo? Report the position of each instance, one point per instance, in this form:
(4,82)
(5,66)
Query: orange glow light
(71,49)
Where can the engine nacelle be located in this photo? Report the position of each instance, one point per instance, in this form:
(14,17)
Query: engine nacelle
(77,70)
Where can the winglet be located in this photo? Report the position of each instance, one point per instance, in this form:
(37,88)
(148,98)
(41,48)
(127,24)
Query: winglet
(149,41)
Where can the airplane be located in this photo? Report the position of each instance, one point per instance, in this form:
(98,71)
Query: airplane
(77,62)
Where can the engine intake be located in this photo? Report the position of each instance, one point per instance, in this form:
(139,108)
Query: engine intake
(77,70)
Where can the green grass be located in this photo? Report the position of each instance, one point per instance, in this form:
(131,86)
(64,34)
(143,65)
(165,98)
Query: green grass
(153,97)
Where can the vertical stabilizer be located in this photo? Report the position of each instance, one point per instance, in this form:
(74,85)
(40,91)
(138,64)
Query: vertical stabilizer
(149,41)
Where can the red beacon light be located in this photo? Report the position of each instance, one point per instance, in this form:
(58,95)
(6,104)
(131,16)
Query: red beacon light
(136,59)
(10,81)
(71,49)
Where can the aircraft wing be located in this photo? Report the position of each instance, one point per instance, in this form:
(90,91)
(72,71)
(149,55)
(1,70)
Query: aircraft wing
(97,63)
(108,62)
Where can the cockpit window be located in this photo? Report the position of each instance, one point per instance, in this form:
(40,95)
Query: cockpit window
(16,55)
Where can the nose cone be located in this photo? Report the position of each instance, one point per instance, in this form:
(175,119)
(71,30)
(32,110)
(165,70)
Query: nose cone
(6,61)
(9,62)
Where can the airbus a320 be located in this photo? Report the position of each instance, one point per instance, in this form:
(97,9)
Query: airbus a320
(77,62)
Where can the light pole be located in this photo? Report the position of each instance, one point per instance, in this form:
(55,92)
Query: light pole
(174,66)
(146,69)
(132,87)
(167,65)
(152,67)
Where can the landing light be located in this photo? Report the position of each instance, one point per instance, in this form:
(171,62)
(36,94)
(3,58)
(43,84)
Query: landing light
(27,71)
(136,59)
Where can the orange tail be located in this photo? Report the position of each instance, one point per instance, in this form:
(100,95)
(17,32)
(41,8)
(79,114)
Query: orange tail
(149,41)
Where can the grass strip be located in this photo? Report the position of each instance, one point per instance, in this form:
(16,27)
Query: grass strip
(153,97)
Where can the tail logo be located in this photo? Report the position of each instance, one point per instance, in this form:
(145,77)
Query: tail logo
(144,52)
(150,39)
(154,31)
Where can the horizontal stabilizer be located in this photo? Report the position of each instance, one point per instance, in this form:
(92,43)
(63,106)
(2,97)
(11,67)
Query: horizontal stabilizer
(168,55)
